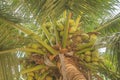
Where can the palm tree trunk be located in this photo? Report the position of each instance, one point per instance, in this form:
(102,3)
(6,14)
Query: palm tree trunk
(68,69)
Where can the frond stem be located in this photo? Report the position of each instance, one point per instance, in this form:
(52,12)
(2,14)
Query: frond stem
(21,49)
(38,67)
(32,34)
(64,40)
(106,24)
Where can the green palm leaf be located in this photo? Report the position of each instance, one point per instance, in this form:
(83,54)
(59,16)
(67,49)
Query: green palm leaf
(111,43)
(113,48)
(110,26)
(9,69)
(40,9)
(11,38)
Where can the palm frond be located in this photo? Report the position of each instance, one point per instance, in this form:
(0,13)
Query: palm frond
(106,72)
(13,11)
(26,10)
(112,45)
(29,33)
(11,38)
(43,9)
(101,69)
(110,26)
(9,67)
(93,11)
(113,48)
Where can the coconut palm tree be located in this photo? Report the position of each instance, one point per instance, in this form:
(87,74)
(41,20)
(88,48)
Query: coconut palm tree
(59,40)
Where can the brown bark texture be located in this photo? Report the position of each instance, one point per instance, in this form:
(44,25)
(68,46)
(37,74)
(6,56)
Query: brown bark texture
(69,70)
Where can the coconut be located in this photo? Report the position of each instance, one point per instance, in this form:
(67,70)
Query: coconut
(95,63)
(88,58)
(48,25)
(53,40)
(85,37)
(35,46)
(78,39)
(95,53)
(93,37)
(88,53)
(71,22)
(30,78)
(94,59)
(30,74)
(48,78)
(60,27)
(82,56)
(72,30)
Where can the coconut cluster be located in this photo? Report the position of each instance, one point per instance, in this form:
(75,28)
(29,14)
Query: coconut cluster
(78,42)
(90,56)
